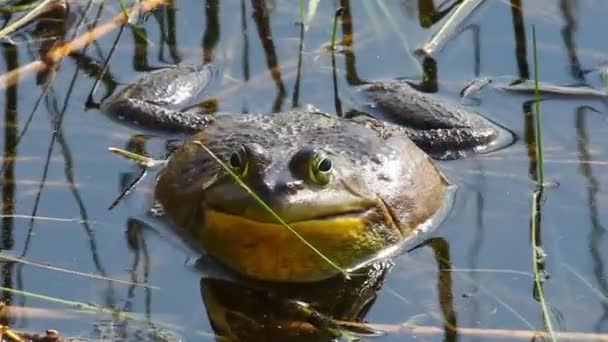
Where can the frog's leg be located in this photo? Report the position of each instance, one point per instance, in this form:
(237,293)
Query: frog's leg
(440,128)
(152,100)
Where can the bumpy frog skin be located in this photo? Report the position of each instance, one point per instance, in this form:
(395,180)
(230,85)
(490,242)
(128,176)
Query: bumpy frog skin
(350,187)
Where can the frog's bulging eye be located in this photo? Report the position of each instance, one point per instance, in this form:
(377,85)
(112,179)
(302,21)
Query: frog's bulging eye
(238,161)
(320,169)
(235,161)
(324,165)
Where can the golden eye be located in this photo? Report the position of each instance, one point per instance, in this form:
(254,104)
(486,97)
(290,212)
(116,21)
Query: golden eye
(320,169)
(238,161)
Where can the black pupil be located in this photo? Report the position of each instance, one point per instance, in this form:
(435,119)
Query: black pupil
(235,161)
(324,165)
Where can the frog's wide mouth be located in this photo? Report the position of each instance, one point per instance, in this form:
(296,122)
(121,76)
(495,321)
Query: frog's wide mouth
(271,251)
(218,217)
(292,210)
(340,222)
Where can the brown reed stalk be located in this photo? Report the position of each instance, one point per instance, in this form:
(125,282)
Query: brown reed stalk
(53,57)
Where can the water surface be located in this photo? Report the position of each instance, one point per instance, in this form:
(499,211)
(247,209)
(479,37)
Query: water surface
(475,271)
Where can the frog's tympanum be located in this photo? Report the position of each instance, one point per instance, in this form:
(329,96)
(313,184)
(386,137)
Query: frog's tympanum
(352,188)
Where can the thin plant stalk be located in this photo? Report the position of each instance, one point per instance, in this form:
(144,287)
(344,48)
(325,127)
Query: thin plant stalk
(537,252)
(538,128)
(92,308)
(138,158)
(302,12)
(313,5)
(406,331)
(13,336)
(392,23)
(266,207)
(54,56)
(451,27)
(537,256)
(17,8)
(26,19)
(123,8)
(5,257)
(67,302)
(334,30)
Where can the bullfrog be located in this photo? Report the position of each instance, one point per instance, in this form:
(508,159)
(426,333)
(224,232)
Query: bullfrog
(354,188)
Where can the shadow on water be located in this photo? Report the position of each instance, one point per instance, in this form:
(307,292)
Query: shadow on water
(488,231)
(141,259)
(441,249)
(567,8)
(519,33)
(8,165)
(261,18)
(248,310)
(212,30)
(597,231)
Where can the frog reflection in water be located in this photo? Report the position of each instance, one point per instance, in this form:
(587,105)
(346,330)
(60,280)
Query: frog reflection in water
(352,188)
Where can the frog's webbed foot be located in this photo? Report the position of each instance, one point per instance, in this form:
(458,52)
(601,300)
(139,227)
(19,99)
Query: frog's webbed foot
(152,100)
(442,129)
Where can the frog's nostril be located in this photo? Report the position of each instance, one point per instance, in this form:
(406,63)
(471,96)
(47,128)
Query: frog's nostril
(295,186)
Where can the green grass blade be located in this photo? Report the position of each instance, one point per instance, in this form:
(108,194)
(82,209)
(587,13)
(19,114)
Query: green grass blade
(537,252)
(452,26)
(100,309)
(373,18)
(5,257)
(17,8)
(389,17)
(71,303)
(123,8)
(266,207)
(26,19)
(138,158)
(313,5)
(334,30)
(537,256)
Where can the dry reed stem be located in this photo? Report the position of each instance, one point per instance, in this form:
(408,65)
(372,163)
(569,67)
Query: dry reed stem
(486,333)
(411,330)
(54,56)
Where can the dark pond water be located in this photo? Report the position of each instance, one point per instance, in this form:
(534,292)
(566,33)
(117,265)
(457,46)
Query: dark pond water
(475,271)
